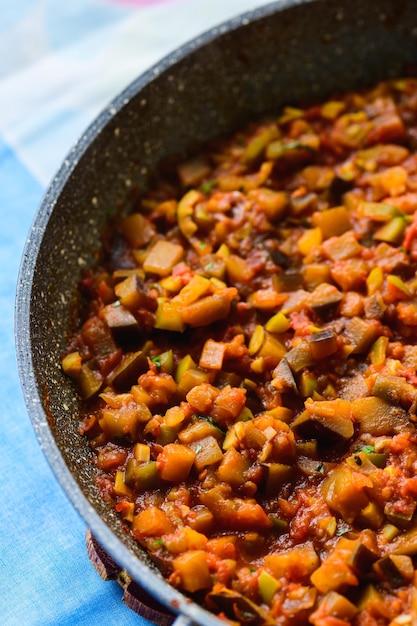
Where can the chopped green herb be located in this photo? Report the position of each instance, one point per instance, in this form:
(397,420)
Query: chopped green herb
(368,449)
(207,186)
(320,467)
(156,360)
(198,448)
(209,266)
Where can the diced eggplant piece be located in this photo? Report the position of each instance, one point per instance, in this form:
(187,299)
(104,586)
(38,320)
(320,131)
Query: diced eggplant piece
(89,382)
(275,475)
(344,491)
(129,370)
(396,569)
(378,417)
(361,558)
(375,306)
(325,420)
(361,333)
(368,597)
(323,343)
(300,357)
(400,519)
(312,467)
(395,390)
(122,323)
(132,293)
(406,543)
(280,259)
(336,605)
(306,202)
(325,299)
(338,187)
(96,335)
(283,378)
(237,607)
(289,281)
(307,448)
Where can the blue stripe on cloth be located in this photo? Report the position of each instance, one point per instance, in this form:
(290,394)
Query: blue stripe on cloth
(46,577)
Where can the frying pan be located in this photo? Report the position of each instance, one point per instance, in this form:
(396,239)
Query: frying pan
(287,52)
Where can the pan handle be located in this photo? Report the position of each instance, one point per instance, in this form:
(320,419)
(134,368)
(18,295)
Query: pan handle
(134,596)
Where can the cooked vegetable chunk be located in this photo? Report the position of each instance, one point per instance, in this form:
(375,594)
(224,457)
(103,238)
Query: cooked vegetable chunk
(247,366)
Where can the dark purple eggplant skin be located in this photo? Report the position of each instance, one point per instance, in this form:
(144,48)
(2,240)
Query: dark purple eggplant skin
(287,52)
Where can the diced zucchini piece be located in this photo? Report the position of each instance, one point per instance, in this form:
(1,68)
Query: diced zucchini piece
(268,585)
(141,476)
(395,390)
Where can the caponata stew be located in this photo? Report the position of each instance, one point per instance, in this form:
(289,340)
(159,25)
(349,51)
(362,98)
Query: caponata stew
(248,366)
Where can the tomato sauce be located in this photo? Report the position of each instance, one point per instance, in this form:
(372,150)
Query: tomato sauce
(247,364)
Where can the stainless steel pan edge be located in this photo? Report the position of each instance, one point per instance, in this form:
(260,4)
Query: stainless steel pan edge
(282,53)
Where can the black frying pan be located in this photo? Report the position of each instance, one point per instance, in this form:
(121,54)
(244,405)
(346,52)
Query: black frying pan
(286,52)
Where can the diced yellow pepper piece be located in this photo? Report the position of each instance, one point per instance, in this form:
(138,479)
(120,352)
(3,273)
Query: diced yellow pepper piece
(71,364)
(193,570)
(167,317)
(162,257)
(208,309)
(309,239)
(256,340)
(185,364)
(238,269)
(142,452)
(374,280)
(399,284)
(281,413)
(331,109)
(197,287)
(223,252)
(185,212)
(278,323)
(171,283)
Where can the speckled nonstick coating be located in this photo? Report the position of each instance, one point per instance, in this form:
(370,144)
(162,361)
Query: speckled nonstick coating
(286,52)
